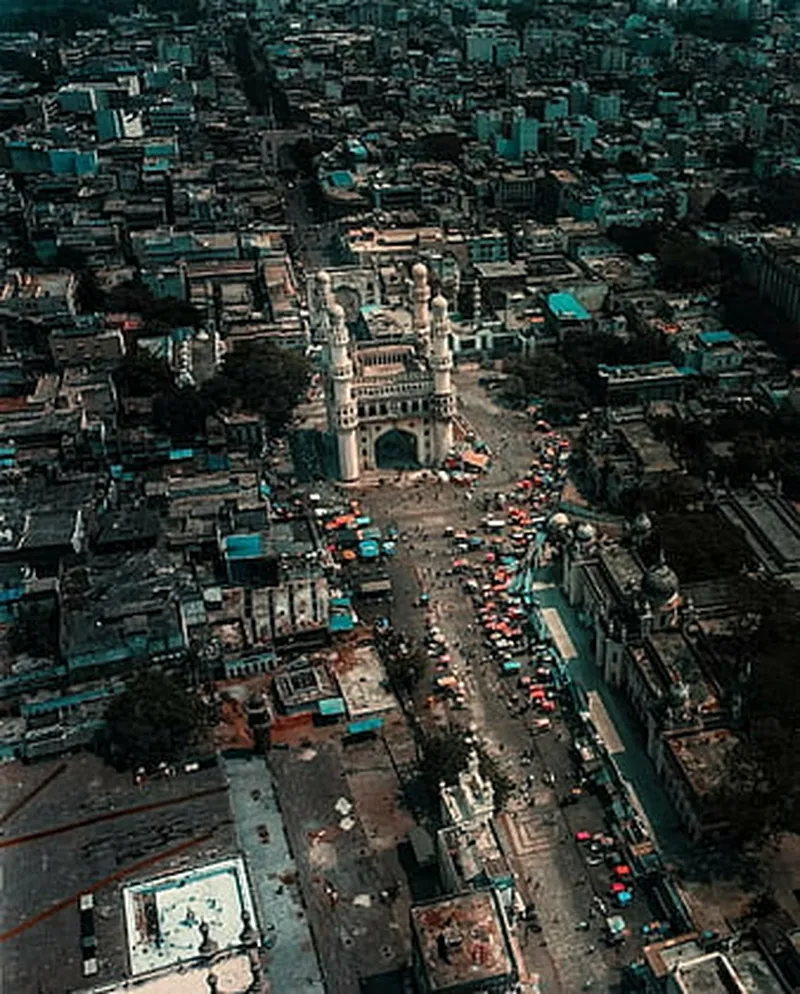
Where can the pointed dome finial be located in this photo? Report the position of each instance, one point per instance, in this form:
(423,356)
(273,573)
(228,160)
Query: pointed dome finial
(207,946)
(248,936)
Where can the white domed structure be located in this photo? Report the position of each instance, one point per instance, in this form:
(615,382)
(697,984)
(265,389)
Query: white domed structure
(586,532)
(558,523)
(439,306)
(419,273)
(410,369)
(642,525)
(660,584)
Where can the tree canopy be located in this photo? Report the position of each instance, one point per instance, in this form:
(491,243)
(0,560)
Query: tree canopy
(549,379)
(154,720)
(405,664)
(761,792)
(260,378)
(141,374)
(566,382)
(628,162)
(445,754)
(686,262)
(738,447)
(718,208)
(699,546)
(169,312)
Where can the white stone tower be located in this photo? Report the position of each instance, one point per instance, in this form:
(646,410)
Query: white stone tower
(441,360)
(321,300)
(422,317)
(343,409)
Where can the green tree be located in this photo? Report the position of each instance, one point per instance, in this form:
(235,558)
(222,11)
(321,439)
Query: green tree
(141,374)
(761,791)
(520,13)
(260,378)
(548,378)
(446,753)
(89,296)
(154,720)
(718,208)
(181,412)
(444,756)
(35,632)
(700,545)
(166,312)
(628,162)
(686,262)
(682,491)
(405,669)
(781,196)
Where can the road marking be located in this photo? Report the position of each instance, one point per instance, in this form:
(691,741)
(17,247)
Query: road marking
(603,723)
(528,834)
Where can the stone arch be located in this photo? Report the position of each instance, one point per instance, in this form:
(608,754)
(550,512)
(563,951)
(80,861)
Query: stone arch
(350,299)
(397,448)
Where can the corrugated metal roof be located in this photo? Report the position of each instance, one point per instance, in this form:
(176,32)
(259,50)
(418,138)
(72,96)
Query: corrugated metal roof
(331,706)
(367,725)
(564,305)
(243,546)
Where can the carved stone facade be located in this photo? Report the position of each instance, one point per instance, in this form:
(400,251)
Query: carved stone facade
(389,395)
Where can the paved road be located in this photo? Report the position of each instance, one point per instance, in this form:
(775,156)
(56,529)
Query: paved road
(538,834)
(313,241)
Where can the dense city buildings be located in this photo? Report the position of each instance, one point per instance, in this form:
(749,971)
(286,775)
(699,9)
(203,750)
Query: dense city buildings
(399,489)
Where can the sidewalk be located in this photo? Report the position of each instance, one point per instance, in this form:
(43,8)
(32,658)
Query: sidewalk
(292,961)
(628,748)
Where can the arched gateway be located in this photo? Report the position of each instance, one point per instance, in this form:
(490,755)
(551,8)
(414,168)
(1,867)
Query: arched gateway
(389,396)
(396,449)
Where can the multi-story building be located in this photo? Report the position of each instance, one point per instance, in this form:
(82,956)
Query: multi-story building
(389,394)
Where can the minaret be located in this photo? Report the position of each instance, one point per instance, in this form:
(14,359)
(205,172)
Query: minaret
(444,402)
(321,301)
(343,413)
(422,317)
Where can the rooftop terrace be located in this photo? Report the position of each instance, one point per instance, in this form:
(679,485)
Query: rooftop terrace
(462,940)
(165,917)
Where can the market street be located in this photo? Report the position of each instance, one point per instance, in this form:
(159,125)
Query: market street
(539,834)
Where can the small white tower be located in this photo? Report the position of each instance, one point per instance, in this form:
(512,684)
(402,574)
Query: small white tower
(343,410)
(321,300)
(422,317)
(442,365)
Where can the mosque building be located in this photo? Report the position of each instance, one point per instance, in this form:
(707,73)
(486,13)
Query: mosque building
(389,396)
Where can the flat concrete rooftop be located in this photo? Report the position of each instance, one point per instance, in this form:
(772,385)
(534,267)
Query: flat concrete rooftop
(164,917)
(360,930)
(91,829)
